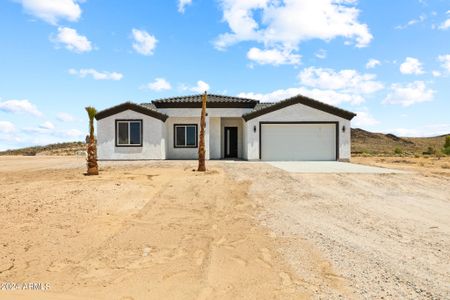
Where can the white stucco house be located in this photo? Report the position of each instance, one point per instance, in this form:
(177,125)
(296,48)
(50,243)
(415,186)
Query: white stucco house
(298,128)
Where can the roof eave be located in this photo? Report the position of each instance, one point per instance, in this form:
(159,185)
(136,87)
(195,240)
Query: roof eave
(301,100)
(130,106)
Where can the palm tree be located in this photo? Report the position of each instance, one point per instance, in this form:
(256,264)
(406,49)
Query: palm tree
(92,166)
(201,147)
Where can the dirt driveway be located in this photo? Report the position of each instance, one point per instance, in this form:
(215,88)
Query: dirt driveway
(158,230)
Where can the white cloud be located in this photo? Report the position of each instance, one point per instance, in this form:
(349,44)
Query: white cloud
(446,24)
(144,43)
(436,73)
(65,117)
(445,60)
(286,24)
(409,94)
(72,41)
(73,133)
(425,131)
(273,57)
(47,125)
(7,127)
(201,87)
(19,106)
(321,54)
(364,119)
(411,66)
(326,85)
(51,11)
(372,63)
(104,75)
(348,81)
(412,22)
(159,84)
(182,5)
(327,96)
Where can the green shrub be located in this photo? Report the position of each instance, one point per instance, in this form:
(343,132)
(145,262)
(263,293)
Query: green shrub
(398,150)
(447,142)
(446,149)
(430,151)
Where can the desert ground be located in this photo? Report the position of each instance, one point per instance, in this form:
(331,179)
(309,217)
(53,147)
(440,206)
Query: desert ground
(159,230)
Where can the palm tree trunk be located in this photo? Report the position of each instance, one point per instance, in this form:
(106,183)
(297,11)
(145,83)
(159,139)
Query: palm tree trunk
(201,147)
(92,166)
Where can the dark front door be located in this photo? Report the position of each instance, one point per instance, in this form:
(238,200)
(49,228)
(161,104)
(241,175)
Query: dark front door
(231,138)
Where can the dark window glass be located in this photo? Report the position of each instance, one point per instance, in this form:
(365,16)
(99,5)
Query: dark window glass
(191,135)
(135,133)
(180,136)
(123,133)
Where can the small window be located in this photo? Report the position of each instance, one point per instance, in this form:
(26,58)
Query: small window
(185,136)
(129,133)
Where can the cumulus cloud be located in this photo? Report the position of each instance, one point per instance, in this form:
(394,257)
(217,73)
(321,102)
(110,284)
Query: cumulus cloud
(372,63)
(286,24)
(273,57)
(326,85)
(201,87)
(349,81)
(159,84)
(409,94)
(445,60)
(411,66)
(364,119)
(65,117)
(71,40)
(425,131)
(51,11)
(97,75)
(19,106)
(144,43)
(47,125)
(7,127)
(327,96)
(182,5)
(446,24)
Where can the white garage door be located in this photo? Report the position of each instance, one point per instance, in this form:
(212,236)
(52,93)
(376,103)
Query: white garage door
(298,141)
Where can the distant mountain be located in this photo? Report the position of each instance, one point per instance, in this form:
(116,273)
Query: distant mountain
(366,142)
(64,149)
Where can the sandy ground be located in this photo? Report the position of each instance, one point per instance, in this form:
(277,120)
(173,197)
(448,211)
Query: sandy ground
(158,230)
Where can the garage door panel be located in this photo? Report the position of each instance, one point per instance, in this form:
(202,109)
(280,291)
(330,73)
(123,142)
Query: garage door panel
(298,141)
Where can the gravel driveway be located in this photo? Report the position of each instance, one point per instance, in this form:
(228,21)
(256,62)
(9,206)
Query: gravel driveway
(377,235)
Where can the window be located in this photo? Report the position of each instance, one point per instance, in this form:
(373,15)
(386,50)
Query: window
(185,136)
(129,133)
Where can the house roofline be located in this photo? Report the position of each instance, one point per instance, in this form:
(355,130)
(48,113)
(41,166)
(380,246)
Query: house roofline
(130,106)
(300,99)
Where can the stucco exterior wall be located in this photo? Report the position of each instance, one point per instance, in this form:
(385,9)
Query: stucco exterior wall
(296,113)
(153,139)
(184,153)
(215,136)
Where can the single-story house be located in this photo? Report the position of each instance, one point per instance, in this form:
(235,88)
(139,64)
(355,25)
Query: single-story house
(298,128)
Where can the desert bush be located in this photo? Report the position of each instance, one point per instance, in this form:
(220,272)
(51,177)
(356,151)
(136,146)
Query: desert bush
(430,151)
(398,151)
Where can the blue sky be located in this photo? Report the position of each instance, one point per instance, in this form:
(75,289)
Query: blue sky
(389,61)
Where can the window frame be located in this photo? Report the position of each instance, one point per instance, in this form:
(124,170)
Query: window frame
(185,136)
(118,121)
